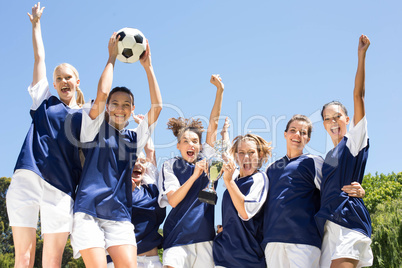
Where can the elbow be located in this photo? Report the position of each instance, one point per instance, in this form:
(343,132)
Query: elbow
(172,204)
(244,216)
(39,58)
(157,108)
(359,95)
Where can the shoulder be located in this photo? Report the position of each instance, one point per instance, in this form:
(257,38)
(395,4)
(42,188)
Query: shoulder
(259,176)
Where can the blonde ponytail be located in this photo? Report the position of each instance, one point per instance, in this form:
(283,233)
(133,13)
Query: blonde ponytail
(80,97)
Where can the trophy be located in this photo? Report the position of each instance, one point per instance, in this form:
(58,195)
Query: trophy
(214,172)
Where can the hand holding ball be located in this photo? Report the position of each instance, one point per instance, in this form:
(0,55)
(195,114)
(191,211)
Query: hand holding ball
(131,45)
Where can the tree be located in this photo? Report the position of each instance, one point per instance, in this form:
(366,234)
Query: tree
(387,234)
(6,238)
(384,202)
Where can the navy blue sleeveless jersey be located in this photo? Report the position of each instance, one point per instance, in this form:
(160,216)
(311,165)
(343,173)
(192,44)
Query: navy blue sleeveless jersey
(191,221)
(239,244)
(147,216)
(293,200)
(105,189)
(51,147)
(343,165)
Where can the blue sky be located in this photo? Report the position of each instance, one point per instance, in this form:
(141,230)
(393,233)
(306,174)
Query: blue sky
(276,58)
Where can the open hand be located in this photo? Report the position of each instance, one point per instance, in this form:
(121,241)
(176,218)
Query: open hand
(36,13)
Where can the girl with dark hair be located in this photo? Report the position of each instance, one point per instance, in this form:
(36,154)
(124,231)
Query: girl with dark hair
(189,228)
(102,210)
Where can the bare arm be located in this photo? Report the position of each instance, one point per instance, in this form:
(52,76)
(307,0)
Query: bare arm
(359,90)
(175,197)
(106,79)
(149,147)
(234,191)
(224,132)
(39,71)
(156,97)
(216,110)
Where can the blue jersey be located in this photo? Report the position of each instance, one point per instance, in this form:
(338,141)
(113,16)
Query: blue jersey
(343,165)
(147,217)
(51,147)
(239,244)
(105,189)
(293,200)
(191,221)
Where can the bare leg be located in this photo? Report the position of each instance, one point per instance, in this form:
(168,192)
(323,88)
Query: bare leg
(53,248)
(344,263)
(24,244)
(94,257)
(123,256)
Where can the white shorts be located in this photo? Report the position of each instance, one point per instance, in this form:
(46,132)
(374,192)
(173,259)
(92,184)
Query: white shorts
(292,255)
(340,242)
(90,232)
(198,255)
(148,262)
(144,262)
(29,194)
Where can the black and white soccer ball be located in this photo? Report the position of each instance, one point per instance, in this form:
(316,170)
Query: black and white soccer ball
(131,45)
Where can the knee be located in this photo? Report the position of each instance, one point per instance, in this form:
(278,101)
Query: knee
(24,260)
(50,263)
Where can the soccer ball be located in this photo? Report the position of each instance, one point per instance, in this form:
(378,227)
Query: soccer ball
(131,45)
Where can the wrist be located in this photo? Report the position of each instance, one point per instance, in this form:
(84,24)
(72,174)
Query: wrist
(148,68)
(361,54)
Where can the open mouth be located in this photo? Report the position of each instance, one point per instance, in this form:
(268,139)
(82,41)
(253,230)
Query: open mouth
(137,173)
(336,130)
(247,166)
(65,89)
(294,140)
(191,153)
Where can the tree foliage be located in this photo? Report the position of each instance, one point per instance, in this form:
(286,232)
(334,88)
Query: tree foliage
(381,189)
(384,202)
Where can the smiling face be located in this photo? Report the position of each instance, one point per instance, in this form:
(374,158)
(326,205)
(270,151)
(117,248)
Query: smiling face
(66,83)
(119,109)
(296,138)
(247,157)
(189,146)
(138,171)
(335,122)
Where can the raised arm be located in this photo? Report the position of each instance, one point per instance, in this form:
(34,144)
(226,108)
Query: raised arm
(359,91)
(149,147)
(156,97)
(216,80)
(106,79)
(39,71)
(224,132)
(226,139)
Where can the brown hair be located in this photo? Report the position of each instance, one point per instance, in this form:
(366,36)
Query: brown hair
(334,103)
(181,125)
(263,147)
(80,96)
(303,118)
